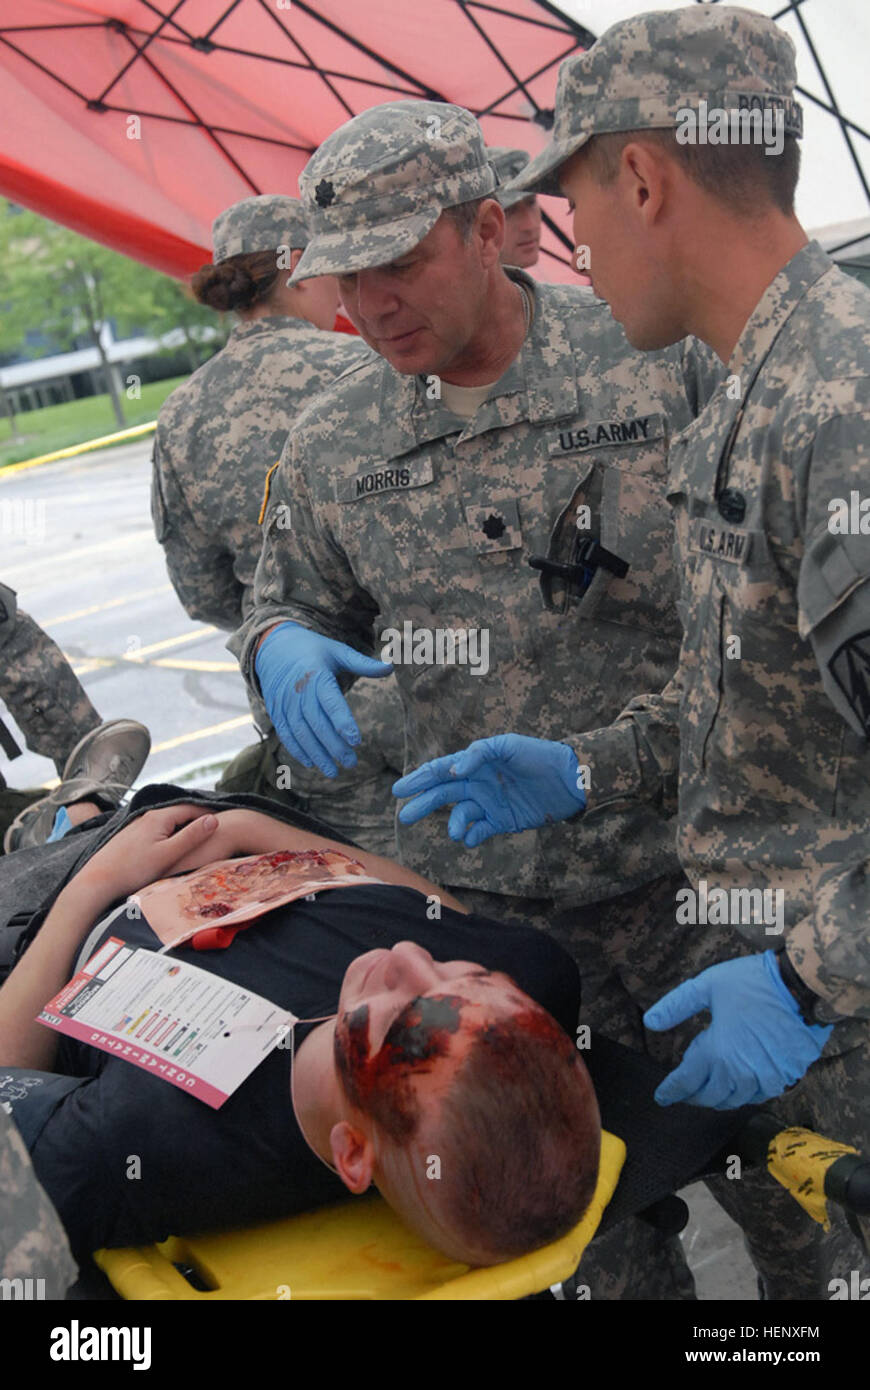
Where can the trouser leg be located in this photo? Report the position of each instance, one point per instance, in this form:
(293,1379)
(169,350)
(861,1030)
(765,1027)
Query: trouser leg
(650,953)
(358,804)
(631,950)
(796,1259)
(33,1243)
(12,803)
(46,697)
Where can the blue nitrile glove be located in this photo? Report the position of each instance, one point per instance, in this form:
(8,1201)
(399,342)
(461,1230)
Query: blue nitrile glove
(296,670)
(756,1045)
(501,785)
(62,824)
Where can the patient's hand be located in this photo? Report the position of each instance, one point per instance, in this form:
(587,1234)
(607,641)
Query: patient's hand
(238,832)
(151,847)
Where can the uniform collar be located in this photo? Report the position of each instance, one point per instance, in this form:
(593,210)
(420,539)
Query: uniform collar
(761,330)
(271,323)
(775,307)
(539,384)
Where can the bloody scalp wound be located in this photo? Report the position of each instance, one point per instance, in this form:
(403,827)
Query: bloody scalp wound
(381,1085)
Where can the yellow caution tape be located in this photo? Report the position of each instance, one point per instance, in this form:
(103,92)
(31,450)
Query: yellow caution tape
(799,1160)
(132,433)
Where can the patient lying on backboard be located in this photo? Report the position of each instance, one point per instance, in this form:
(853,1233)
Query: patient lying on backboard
(443,1070)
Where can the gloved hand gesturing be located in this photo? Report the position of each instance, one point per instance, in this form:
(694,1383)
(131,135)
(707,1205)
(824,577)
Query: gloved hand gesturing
(296,669)
(501,785)
(756,1045)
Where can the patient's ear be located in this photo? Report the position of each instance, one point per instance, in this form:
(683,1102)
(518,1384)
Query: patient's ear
(353,1156)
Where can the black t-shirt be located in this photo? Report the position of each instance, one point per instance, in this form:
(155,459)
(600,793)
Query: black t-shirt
(203,1169)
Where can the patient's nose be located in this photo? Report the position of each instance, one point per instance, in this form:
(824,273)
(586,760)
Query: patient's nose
(412,966)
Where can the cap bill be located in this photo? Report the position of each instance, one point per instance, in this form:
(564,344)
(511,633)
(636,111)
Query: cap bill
(362,248)
(541,174)
(510,199)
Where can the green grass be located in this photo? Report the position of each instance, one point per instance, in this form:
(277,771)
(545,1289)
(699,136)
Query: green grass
(75,422)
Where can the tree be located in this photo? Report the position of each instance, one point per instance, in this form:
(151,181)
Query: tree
(176,308)
(69,287)
(8,411)
(12,324)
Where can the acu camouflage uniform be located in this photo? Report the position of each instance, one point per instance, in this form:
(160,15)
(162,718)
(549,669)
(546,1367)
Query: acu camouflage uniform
(44,695)
(217,435)
(772,744)
(767,721)
(33,1243)
(405,513)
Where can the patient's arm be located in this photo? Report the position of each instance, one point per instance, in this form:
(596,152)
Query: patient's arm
(146,849)
(243,832)
(44,968)
(169,841)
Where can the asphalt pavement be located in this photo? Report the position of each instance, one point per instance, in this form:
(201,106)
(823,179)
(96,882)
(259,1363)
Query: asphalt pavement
(79,548)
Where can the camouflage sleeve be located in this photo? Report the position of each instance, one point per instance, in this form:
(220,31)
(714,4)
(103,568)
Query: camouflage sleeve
(830,946)
(303,575)
(41,689)
(35,1259)
(834,580)
(637,758)
(8,613)
(199,564)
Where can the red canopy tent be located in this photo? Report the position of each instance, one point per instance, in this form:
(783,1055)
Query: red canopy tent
(136,122)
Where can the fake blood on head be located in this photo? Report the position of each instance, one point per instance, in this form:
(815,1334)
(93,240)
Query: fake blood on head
(380,1085)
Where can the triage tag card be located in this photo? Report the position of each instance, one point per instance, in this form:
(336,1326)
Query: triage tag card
(177,1021)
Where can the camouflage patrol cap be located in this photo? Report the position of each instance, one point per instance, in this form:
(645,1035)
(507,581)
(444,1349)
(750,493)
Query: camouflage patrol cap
(508,164)
(259,224)
(646,69)
(379,183)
